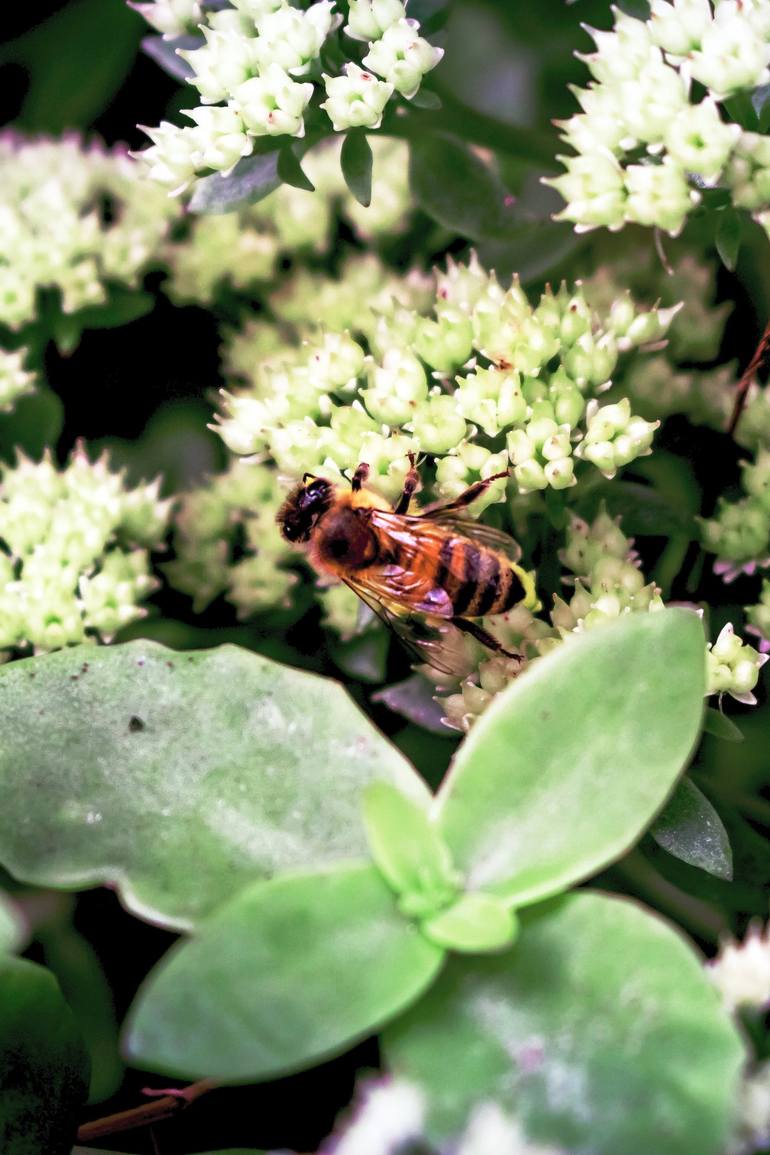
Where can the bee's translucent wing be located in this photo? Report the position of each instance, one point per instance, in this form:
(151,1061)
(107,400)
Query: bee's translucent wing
(436,645)
(475,530)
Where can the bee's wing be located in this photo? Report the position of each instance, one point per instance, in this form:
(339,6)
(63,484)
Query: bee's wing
(439,645)
(482,534)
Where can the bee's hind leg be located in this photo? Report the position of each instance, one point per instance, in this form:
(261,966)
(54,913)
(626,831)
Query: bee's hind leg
(467,497)
(411,481)
(481,635)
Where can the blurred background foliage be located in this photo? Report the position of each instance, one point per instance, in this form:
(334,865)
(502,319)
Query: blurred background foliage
(141,380)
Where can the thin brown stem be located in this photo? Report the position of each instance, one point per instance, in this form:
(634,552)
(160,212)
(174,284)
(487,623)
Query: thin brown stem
(163,1107)
(742,389)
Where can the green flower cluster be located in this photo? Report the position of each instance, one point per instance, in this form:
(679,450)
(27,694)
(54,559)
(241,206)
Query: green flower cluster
(74,217)
(660,385)
(241,249)
(732,667)
(739,532)
(15,380)
(74,551)
(259,72)
(645,140)
(455,367)
(607,581)
(234,510)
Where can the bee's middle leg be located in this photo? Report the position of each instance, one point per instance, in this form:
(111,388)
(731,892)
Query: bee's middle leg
(481,635)
(467,497)
(411,481)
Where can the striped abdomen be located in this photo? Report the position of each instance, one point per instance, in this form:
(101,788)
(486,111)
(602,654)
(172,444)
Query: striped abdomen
(478,580)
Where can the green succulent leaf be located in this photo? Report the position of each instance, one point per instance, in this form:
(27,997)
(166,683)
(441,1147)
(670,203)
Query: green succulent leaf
(164,52)
(408,850)
(728,237)
(181,777)
(720,726)
(252,179)
(455,187)
(356,163)
(291,171)
(600,1031)
(474,924)
(43,1063)
(287,973)
(570,764)
(691,830)
(11,929)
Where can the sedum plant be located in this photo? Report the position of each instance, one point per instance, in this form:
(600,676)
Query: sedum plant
(657,124)
(266,71)
(398,883)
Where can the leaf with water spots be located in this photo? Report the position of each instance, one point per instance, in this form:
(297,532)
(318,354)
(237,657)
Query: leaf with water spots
(180,777)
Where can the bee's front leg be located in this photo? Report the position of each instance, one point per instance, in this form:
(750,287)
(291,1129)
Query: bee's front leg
(360,476)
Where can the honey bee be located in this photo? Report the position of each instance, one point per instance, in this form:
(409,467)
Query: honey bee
(420,573)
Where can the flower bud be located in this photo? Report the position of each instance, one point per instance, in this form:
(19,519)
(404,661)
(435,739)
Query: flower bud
(171,17)
(678,28)
(220,66)
(356,99)
(402,57)
(222,140)
(437,425)
(397,388)
(292,39)
(447,342)
(368,19)
(272,104)
(699,141)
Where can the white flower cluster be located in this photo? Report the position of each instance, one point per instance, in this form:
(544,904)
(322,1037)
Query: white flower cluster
(390,1117)
(483,366)
(741,971)
(242,249)
(15,381)
(604,571)
(74,217)
(643,142)
(74,551)
(259,67)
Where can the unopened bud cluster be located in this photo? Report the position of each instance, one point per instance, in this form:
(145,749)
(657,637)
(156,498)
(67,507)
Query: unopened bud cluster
(235,509)
(242,250)
(660,385)
(732,667)
(652,129)
(55,232)
(457,368)
(607,582)
(259,72)
(604,572)
(739,532)
(15,380)
(74,551)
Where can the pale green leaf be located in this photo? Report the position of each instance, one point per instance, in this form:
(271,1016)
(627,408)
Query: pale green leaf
(180,776)
(691,830)
(475,924)
(287,973)
(408,849)
(599,1030)
(43,1063)
(571,762)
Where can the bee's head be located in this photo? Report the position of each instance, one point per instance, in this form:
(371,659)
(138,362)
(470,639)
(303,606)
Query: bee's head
(303,507)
